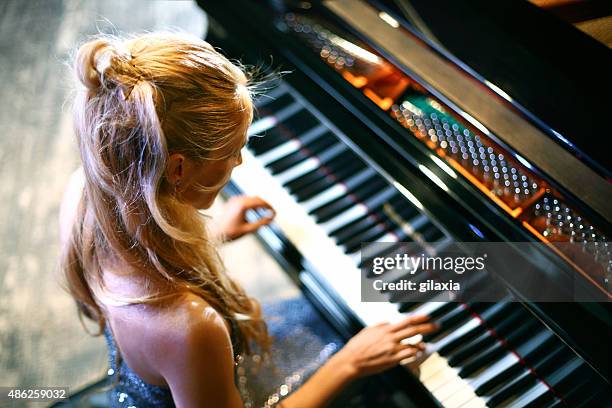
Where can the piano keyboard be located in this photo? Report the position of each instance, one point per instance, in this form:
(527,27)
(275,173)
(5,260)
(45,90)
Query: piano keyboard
(329,201)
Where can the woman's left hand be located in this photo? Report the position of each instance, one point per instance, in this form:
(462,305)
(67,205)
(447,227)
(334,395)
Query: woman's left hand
(231,223)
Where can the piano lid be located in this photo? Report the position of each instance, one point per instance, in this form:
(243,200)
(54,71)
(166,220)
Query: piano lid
(493,109)
(551,70)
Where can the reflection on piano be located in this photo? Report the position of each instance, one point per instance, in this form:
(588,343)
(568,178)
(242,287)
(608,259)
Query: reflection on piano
(359,147)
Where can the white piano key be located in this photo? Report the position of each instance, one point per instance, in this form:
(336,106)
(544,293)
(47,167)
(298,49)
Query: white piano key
(444,376)
(466,327)
(280,151)
(324,197)
(359,210)
(390,237)
(491,371)
(475,403)
(431,366)
(298,170)
(291,146)
(429,307)
(331,152)
(534,392)
(267,122)
(261,125)
(453,387)
(463,397)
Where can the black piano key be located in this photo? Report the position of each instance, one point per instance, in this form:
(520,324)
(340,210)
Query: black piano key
(362,193)
(464,332)
(492,315)
(405,210)
(563,379)
(486,339)
(523,380)
(556,403)
(261,144)
(305,180)
(445,321)
(450,321)
(381,225)
(587,389)
(527,379)
(431,233)
(298,124)
(528,352)
(496,349)
(320,144)
(599,399)
(346,232)
(292,128)
(284,163)
(537,396)
(307,186)
(580,389)
(372,234)
(295,158)
(555,380)
(345,161)
(349,182)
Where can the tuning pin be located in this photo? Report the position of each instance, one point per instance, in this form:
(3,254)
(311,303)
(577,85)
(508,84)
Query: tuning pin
(537,210)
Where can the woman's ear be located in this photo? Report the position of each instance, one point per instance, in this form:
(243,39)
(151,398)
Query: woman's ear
(175,168)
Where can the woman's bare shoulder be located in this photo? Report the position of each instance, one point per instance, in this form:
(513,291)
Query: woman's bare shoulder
(197,342)
(190,322)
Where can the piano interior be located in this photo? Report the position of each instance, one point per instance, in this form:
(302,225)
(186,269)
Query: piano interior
(379,132)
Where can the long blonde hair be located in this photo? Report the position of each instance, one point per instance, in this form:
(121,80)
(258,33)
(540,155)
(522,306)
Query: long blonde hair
(141,99)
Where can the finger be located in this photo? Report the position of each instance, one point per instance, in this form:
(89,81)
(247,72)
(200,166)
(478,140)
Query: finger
(405,353)
(413,340)
(254,226)
(416,342)
(409,321)
(418,329)
(249,202)
(395,358)
(403,346)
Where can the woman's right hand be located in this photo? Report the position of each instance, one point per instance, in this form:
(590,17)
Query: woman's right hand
(372,350)
(378,348)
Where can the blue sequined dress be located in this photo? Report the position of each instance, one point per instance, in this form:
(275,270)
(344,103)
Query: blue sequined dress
(302,341)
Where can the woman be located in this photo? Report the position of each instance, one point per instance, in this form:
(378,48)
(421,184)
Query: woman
(160,121)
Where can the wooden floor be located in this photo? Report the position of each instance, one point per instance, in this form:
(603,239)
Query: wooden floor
(41,340)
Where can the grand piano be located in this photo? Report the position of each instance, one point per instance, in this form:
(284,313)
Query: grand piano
(436,122)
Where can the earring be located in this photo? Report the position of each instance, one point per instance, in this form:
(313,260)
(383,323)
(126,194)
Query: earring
(176,187)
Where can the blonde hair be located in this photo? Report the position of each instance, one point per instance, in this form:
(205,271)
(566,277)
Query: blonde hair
(143,98)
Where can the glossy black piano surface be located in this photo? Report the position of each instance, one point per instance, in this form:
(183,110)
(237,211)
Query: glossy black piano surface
(351,155)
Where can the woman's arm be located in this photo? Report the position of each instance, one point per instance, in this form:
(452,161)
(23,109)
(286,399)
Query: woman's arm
(231,223)
(196,358)
(371,351)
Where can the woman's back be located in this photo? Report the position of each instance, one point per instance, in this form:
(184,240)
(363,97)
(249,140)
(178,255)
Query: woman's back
(142,341)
